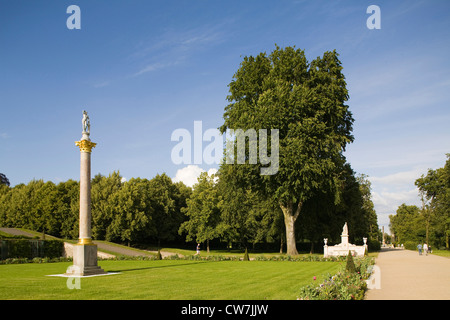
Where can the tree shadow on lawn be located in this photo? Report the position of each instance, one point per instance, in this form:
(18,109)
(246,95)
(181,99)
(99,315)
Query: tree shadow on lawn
(158,267)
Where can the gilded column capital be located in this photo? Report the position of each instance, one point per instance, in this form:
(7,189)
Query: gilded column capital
(85,145)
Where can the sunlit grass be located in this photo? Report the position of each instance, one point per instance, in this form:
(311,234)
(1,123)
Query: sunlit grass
(166,279)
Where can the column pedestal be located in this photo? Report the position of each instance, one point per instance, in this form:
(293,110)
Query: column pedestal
(85,260)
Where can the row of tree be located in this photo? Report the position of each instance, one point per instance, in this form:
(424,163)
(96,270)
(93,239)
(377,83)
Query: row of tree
(158,210)
(429,223)
(138,210)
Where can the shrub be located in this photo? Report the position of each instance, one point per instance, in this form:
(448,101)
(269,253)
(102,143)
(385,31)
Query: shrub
(19,249)
(410,245)
(52,248)
(29,249)
(350,266)
(373,245)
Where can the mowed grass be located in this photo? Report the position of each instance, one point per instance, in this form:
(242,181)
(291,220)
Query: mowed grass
(166,280)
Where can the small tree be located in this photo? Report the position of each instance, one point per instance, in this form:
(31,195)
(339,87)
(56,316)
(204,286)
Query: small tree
(350,266)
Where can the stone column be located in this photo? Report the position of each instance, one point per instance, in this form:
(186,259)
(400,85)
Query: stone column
(85,251)
(85,191)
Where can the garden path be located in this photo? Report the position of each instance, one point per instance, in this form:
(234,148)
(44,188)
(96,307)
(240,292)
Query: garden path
(105,246)
(406,275)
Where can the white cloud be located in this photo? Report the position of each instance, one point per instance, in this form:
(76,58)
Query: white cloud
(173,47)
(188,175)
(154,66)
(404,178)
(123,180)
(388,202)
(101,84)
(392,190)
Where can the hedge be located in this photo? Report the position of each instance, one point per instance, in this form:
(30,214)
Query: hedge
(30,249)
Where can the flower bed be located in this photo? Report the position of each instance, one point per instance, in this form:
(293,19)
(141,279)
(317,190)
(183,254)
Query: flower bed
(342,286)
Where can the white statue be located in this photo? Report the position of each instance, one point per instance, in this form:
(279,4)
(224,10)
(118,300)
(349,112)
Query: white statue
(345,229)
(86,123)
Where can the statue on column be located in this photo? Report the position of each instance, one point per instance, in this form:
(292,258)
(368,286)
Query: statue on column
(86,123)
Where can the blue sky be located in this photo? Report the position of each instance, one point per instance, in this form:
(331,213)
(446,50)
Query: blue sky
(145,68)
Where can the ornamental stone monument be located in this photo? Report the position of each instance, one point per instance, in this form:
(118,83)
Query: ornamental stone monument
(85,251)
(344,247)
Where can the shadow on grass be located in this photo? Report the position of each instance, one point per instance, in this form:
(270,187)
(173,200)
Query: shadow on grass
(159,267)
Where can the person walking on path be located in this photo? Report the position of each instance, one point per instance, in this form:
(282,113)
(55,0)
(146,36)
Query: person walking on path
(425,249)
(419,246)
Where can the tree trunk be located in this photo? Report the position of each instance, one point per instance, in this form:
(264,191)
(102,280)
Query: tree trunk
(207,246)
(289,221)
(281,242)
(447,240)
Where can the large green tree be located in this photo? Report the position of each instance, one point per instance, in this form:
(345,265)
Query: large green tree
(306,103)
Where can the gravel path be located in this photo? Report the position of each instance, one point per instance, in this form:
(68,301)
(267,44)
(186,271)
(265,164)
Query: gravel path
(128,252)
(407,276)
(16,232)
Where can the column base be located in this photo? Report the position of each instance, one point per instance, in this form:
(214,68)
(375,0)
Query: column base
(85,261)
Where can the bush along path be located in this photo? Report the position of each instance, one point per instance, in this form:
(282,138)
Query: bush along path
(347,284)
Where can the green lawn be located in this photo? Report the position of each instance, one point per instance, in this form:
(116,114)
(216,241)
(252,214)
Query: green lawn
(442,253)
(166,279)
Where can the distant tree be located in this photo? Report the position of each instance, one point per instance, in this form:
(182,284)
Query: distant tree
(407,224)
(67,208)
(4,180)
(132,212)
(370,216)
(435,193)
(167,199)
(203,211)
(103,189)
